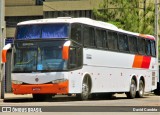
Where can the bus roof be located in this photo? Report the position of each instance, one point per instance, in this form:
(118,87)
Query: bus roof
(84,20)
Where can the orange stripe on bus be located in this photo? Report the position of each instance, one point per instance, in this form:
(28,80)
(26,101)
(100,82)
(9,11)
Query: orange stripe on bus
(65,52)
(57,88)
(137,61)
(4,56)
(141,61)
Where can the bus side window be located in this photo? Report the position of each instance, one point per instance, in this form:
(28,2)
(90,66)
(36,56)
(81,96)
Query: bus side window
(141,46)
(153,49)
(89,36)
(106,39)
(72,58)
(99,38)
(112,40)
(76,32)
(75,59)
(132,41)
(123,43)
(148,47)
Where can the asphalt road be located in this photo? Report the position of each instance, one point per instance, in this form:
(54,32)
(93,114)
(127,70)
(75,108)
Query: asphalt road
(118,103)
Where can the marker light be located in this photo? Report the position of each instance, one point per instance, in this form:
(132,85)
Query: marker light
(17,82)
(59,80)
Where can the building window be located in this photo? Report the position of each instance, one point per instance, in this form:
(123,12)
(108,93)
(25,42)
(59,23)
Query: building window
(39,2)
(11,21)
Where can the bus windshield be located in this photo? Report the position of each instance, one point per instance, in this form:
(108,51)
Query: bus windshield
(42,31)
(38,56)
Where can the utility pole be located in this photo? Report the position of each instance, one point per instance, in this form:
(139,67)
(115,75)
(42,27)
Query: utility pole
(156,25)
(2,37)
(157,40)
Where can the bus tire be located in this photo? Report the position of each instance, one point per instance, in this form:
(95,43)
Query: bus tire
(132,93)
(85,94)
(41,97)
(140,92)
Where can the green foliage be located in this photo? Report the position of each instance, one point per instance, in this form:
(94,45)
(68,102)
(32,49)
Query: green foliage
(132,15)
(129,15)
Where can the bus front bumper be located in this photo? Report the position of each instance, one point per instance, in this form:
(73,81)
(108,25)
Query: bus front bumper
(56,88)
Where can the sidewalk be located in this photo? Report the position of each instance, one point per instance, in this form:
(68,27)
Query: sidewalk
(13,96)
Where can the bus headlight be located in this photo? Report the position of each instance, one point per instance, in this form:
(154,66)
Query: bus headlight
(59,80)
(17,82)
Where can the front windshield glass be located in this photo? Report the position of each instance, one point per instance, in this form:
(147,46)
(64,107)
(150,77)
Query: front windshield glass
(39,56)
(42,31)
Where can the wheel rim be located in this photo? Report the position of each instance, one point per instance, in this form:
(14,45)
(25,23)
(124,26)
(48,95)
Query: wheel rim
(85,91)
(133,89)
(141,89)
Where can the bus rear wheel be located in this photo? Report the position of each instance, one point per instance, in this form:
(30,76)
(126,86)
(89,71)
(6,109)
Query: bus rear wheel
(132,93)
(140,92)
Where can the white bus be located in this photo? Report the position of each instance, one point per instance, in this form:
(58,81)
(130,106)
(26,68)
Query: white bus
(81,56)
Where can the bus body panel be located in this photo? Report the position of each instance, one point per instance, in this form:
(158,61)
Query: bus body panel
(31,78)
(109,74)
(43,83)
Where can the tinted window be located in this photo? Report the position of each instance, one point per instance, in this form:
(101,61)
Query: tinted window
(148,47)
(75,59)
(100,37)
(105,39)
(153,49)
(89,36)
(132,41)
(123,42)
(141,46)
(76,33)
(72,58)
(112,40)
(40,31)
(55,31)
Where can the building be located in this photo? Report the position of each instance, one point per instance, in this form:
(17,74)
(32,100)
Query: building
(22,10)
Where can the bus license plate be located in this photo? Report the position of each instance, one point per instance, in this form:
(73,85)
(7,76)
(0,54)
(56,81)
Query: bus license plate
(36,89)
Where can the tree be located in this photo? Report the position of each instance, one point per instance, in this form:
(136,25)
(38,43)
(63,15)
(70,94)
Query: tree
(131,15)
(147,17)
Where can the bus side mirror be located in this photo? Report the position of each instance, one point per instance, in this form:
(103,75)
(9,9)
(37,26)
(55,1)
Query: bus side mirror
(4,52)
(65,50)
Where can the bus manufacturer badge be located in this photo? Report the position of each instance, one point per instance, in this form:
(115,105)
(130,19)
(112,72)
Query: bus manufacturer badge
(36,79)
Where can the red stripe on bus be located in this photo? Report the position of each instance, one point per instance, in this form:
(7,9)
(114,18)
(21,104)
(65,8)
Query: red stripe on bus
(141,61)
(146,62)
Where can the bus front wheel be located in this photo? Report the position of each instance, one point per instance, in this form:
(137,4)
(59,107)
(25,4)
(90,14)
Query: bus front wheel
(85,94)
(132,93)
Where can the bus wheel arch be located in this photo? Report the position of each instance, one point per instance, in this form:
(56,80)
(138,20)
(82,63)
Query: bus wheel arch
(133,88)
(140,92)
(86,87)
